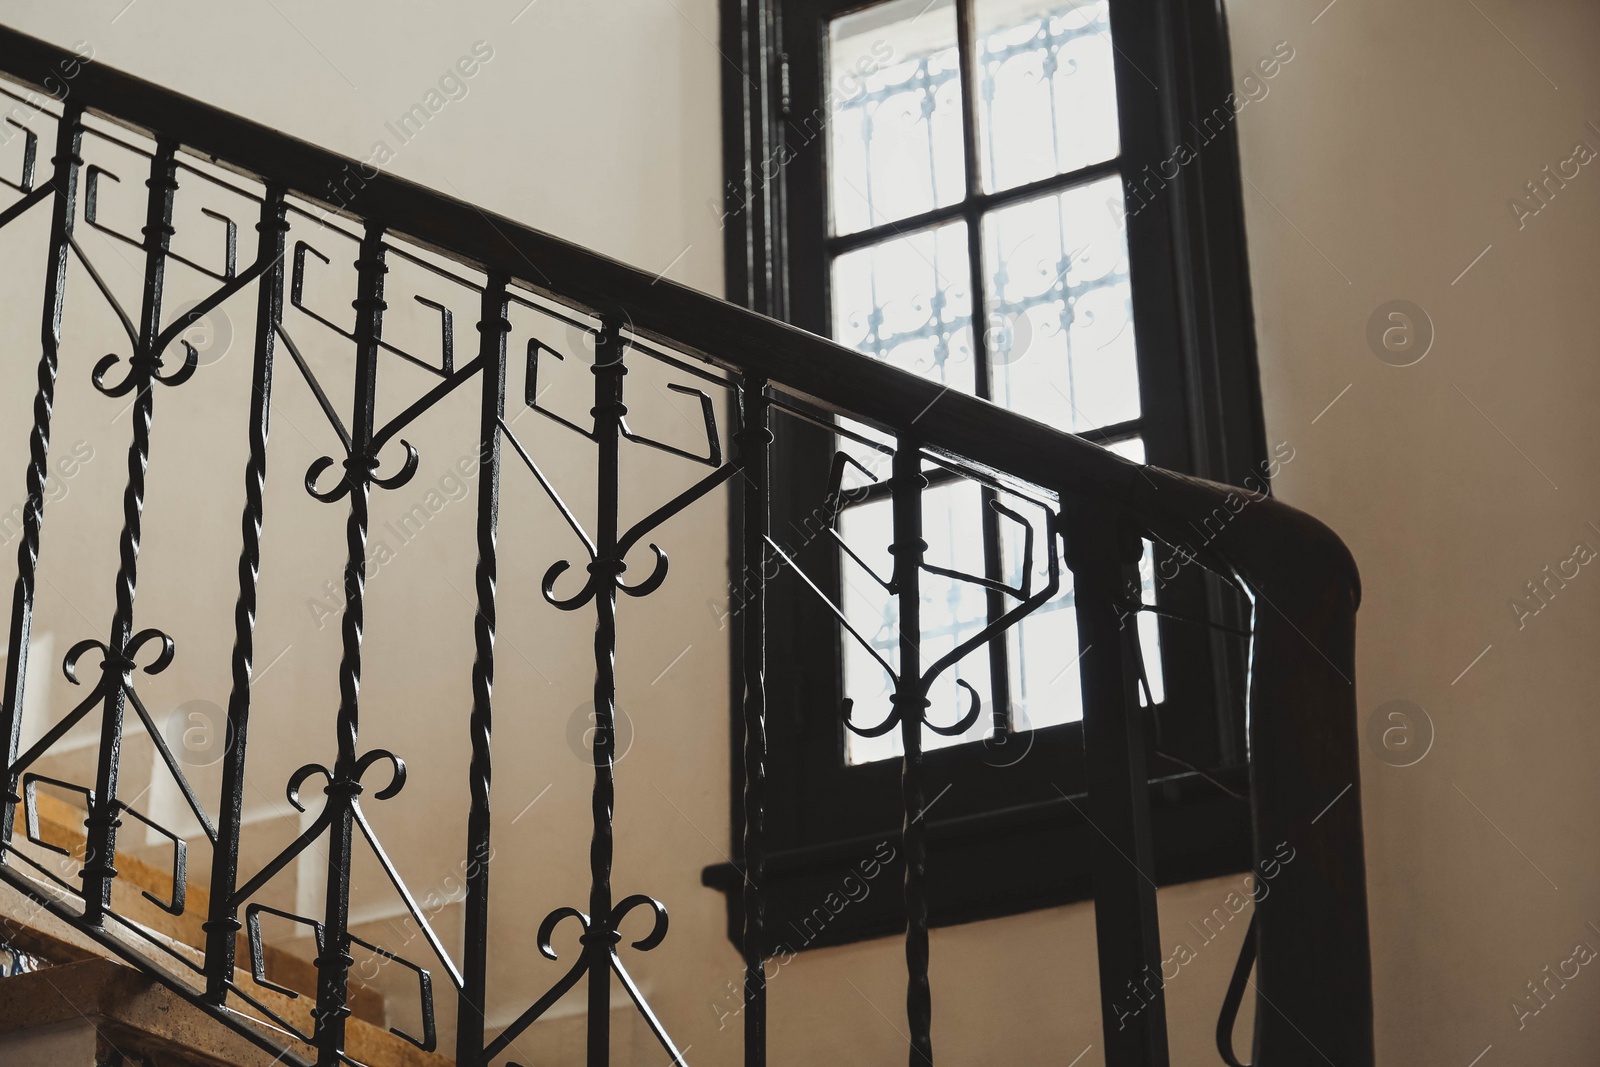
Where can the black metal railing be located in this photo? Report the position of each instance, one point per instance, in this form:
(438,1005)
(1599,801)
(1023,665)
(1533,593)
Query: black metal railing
(1092,510)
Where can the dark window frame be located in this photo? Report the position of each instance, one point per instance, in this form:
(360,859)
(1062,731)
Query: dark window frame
(1012,838)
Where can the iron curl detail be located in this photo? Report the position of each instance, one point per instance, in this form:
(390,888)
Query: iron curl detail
(548,928)
(359,468)
(658,931)
(124,662)
(298,779)
(351,782)
(964,724)
(600,572)
(397,778)
(847,708)
(658,574)
(601,937)
(548,585)
(140,366)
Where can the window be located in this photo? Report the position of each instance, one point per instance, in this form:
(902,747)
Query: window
(1051,266)
(945,185)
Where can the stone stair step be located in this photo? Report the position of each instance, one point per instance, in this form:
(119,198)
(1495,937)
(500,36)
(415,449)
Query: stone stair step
(61,824)
(50,1011)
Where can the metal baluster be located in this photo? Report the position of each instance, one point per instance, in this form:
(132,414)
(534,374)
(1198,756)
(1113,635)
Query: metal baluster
(911,702)
(493,326)
(754,439)
(222,926)
(333,964)
(99,866)
(609,411)
(1102,558)
(63,213)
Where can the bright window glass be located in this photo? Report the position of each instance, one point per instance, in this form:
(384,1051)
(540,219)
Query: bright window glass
(1055,307)
(894,124)
(1046,89)
(1060,322)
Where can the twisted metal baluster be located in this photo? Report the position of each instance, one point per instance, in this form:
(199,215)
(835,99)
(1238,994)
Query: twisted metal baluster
(344,784)
(69,136)
(99,867)
(911,703)
(493,327)
(222,926)
(607,568)
(754,439)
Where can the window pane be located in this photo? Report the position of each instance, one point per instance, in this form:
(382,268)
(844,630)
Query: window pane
(952,611)
(1060,322)
(894,124)
(907,301)
(1047,89)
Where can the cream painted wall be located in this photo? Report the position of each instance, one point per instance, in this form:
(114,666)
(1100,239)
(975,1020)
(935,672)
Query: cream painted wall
(1382,166)
(1381,163)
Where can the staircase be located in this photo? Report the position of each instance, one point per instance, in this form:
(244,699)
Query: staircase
(71,1002)
(70,977)
(138,877)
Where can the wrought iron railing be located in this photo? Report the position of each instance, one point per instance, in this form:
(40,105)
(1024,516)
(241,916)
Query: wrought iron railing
(1090,511)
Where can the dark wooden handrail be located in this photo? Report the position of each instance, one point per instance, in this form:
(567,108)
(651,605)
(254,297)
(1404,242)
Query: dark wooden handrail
(1311,930)
(828,374)
(1313,962)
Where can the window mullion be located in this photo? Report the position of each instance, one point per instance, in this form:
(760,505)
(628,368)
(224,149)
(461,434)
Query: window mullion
(974,206)
(993,557)
(965,45)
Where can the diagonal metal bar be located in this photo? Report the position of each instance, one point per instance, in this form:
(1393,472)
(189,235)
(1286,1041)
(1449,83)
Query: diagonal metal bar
(827,601)
(316,387)
(34,196)
(165,753)
(672,507)
(536,1011)
(550,490)
(423,404)
(281,860)
(405,896)
(232,285)
(58,731)
(646,1011)
(105,290)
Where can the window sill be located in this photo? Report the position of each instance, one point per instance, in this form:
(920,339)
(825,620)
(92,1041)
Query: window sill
(984,866)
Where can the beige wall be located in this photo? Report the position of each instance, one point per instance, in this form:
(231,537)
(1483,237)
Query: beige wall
(1381,163)
(1391,146)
